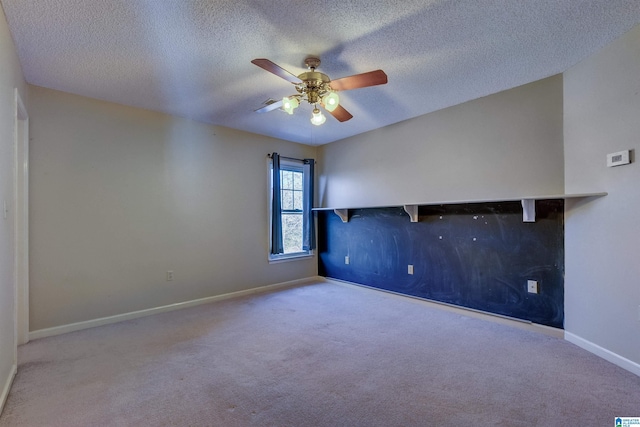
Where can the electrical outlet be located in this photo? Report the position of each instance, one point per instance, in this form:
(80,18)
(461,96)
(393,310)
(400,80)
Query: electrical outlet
(169,276)
(532,286)
(346,259)
(410,269)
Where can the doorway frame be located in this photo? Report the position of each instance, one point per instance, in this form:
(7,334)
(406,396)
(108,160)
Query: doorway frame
(21,223)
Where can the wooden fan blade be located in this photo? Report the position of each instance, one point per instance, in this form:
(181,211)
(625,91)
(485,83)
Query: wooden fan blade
(372,78)
(276,69)
(269,107)
(341,114)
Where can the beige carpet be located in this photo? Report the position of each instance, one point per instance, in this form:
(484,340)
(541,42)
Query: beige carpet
(317,355)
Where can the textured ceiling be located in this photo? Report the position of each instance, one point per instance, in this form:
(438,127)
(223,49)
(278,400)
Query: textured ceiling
(192,58)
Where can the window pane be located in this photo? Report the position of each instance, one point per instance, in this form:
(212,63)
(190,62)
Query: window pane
(297,200)
(297,181)
(287,199)
(287,179)
(292,232)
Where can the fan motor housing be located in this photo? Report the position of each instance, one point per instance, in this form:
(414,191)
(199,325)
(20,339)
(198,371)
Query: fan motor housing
(314,78)
(314,84)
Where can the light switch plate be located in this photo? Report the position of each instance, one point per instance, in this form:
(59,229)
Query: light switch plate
(532,286)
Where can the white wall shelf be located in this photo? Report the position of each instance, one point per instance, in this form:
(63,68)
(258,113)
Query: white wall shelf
(412,211)
(343,214)
(528,205)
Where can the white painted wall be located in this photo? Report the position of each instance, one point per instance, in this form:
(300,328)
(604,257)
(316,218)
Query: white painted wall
(10,78)
(602,237)
(505,145)
(121,195)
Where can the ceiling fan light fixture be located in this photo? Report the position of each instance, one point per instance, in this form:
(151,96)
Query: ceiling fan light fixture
(317,118)
(289,104)
(316,88)
(331,101)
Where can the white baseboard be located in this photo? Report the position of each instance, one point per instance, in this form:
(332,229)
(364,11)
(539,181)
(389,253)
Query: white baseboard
(602,352)
(7,387)
(63,329)
(496,318)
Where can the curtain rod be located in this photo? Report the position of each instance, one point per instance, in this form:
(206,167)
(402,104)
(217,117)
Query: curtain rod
(288,158)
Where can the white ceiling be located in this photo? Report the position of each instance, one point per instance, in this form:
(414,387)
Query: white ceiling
(191,58)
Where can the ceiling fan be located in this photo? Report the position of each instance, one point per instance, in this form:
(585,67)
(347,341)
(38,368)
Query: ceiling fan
(317,89)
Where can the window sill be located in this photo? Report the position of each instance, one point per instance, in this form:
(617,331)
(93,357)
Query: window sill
(293,257)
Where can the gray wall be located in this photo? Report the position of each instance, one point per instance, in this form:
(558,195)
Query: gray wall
(602,284)
(501,146)
(120,195)
(10,78)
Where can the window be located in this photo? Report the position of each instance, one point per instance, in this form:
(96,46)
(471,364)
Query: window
(291,202)
(293,235)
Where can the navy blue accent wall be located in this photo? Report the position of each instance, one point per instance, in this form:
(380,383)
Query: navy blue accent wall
(476,255)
